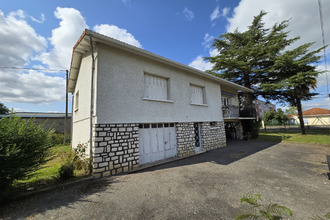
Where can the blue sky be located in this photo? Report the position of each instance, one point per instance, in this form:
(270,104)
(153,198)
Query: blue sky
(40,34)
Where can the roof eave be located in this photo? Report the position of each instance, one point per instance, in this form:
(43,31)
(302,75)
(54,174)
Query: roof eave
(124,46)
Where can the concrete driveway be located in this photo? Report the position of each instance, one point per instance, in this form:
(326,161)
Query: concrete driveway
(207,186)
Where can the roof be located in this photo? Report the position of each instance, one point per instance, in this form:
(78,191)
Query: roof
(83,45)
(317,111)
(39,115)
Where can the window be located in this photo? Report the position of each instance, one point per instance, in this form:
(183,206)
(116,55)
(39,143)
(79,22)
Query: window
(197,95)
(76,101)
(155,88)
(226,101)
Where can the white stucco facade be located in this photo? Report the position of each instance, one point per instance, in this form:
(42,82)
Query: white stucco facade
(145,107)
(81,105)
(121,96)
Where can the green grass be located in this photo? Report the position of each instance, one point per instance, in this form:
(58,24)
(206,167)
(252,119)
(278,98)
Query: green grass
(47,174)
(294,136)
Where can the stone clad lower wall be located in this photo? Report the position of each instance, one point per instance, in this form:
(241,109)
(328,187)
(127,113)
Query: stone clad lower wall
(115,148)
(185,139)
(212,137)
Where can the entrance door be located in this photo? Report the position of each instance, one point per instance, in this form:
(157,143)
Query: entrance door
(198,140)
(156,142)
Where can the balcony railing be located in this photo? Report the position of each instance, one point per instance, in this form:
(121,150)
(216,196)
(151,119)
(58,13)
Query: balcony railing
(230,111)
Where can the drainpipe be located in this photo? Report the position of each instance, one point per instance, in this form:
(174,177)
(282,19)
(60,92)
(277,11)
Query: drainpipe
(92,96)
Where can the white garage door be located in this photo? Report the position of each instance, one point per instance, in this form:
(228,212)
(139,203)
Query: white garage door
(156,142)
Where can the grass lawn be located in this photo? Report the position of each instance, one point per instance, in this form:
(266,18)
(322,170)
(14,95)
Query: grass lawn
(47,174)
(294,136)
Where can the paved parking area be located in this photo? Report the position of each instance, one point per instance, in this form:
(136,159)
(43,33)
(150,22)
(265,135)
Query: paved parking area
(207,186)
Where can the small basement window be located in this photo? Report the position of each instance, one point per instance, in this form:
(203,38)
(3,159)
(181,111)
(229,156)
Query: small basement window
(213,124)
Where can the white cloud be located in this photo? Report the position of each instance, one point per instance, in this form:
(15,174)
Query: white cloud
(22,43)
(16,51)
(208,39)
(322,102)
(200,64)
(31,87)
(188,14)
(215,14)
(64,37)
(117,33)
(225,12)
(304,15)
(213,52)
(41,20)
(322,79)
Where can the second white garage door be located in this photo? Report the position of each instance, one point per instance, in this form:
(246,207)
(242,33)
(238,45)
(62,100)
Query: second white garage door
(156,142)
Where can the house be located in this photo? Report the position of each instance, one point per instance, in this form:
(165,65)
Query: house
(262,107)
(315,116)
(53,120)
(135,107)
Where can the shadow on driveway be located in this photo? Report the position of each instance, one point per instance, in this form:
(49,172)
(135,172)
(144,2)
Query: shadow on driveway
(65,196)
(235,150)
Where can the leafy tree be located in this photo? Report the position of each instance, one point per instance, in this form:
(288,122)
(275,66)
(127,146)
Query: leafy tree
(23,148)
(3,109)
(246,57)
(276,115)
(292,110)
(292,77)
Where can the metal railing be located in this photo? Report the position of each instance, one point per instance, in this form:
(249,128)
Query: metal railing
(230,111)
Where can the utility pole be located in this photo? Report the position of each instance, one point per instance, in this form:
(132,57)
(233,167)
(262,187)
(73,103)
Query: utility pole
(66,107)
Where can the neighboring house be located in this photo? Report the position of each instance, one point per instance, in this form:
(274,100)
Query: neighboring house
(53,120)
(136,107)
(262,107)
(315,116)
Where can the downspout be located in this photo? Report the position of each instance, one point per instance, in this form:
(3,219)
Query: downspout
(92,97)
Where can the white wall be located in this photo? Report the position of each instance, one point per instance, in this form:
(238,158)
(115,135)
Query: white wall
(120,91)
(81,117)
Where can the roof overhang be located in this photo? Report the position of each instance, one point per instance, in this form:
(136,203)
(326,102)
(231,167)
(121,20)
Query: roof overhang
(83,45)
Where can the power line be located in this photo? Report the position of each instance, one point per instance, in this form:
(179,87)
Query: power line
(324,50)
(23,68)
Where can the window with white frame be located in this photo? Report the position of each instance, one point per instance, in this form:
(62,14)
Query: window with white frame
(76,101)
(155,88)
(197,95)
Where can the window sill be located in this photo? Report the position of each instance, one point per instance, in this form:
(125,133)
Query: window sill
(158,100)
(203,105)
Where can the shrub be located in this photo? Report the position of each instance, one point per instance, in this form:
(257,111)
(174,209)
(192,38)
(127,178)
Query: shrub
(58,138)
(259,211)
(74,160)
(23,148)
(66,170)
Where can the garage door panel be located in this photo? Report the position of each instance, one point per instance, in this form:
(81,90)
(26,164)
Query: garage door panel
(157,142)
(154,140)
(167,139)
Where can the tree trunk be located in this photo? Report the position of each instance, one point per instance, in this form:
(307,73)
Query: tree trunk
(300,116)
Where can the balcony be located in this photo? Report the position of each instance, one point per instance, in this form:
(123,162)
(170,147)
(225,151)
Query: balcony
(230,111)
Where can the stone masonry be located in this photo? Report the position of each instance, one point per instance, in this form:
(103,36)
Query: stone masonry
(212,137)
(185,139)
(115,148)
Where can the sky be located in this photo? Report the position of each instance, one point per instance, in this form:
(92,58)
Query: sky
(39,35)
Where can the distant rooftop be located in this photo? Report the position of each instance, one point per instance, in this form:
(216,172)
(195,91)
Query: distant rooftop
(317,111)
(40,115)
